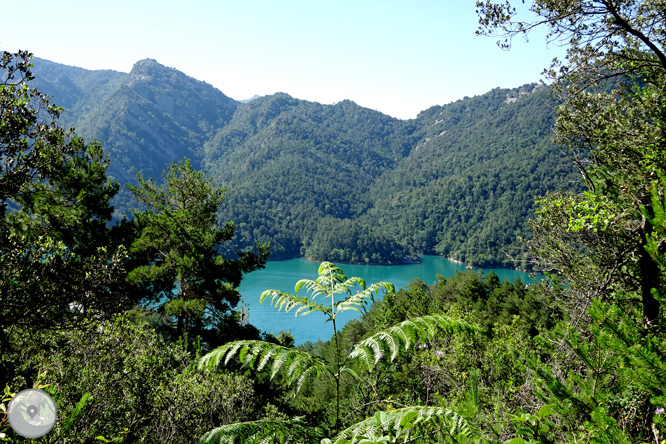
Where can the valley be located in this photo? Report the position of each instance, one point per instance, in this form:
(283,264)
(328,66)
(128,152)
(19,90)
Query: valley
(331,182)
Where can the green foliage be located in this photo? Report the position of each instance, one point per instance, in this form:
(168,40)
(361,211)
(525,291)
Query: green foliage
(257,355)
(487,300)
(177,234)
(120,380)
(31,144)
(330,282)
(466,189)
(402,425)
(144,119)
(533,427)
(607,383)
(456,181)
(261,431)
(479,377)
(351,241)
(298,366)
(656,240)
(60,262)
(616,391)
(406,334)
(332,182)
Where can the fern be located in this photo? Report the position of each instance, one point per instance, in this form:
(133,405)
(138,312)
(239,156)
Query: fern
(357,302)
(330,282)
(298,365)
(263,431)
(405,335)
(79,410)
(288,301)
(402,423)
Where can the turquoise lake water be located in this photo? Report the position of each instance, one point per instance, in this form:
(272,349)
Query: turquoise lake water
(283,275)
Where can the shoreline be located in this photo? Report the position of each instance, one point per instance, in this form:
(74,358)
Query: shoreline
(407,261)
(404,261)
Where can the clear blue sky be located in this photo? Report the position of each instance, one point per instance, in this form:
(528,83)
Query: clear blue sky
(398,57)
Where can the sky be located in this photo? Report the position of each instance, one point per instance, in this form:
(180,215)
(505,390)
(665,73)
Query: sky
(397,57)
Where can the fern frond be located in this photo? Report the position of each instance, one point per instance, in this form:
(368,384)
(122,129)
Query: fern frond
(330,275)
(288,301)
(257,432)
(257,355)
(79,409)
(330,269)
(405,334)
(348,285)
(414,419)
(350,372)
(314,287)
(357,301)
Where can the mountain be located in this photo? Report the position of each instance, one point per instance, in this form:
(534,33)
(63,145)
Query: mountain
(347,184)
(251,98)
(290,163)
(337,182)
(144,119)
(467,187)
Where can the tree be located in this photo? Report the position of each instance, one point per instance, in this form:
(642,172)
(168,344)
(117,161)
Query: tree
(607,243)
(31,142)
(616,138)
(186,273)
(60,263)
(117,379)
(298,367)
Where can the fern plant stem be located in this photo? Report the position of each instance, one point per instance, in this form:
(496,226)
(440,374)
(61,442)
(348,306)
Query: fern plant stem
(337,380)
(337,360)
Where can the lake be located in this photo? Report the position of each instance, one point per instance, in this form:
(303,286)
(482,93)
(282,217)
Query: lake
(283,275)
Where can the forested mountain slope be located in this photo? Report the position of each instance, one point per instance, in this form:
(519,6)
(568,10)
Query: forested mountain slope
(290,163)
(144,119)
(468,185)
(343,183)
(332,182)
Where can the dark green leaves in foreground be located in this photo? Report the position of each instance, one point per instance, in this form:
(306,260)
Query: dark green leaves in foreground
(259,355)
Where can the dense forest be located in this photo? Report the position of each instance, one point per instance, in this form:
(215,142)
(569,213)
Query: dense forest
(459,180)
(133,326)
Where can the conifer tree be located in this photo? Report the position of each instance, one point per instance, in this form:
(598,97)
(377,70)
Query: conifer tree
(179,237)
(60,263)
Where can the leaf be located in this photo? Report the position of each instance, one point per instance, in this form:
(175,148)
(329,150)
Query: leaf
(288,301)
(407,421)
(545,411)
(516,440)
(411,417)
(405,334)
(298,365)
(268,431)
(357,301)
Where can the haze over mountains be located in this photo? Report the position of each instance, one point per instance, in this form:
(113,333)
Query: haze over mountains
(337,182)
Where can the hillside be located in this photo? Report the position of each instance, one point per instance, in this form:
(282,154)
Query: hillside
(289,163)
(347,184)
(331,182)
(468,185)
(144,119)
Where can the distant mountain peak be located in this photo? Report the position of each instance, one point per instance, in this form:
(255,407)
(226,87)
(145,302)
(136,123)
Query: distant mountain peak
(256,96)
(146,62)
(144,70)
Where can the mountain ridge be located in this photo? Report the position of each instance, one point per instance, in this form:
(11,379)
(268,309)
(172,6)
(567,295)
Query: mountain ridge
(300,171)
